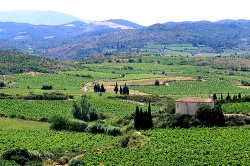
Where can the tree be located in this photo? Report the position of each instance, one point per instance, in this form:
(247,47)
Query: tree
(125,90)
(121,92)
(2,85)
(102,89)
(239,95)
(228,97)
(214,96)
(116,88)
(149,117)
(97,88)
(157,83)
(137,118)
(221,96)
(210,116)
(76,111)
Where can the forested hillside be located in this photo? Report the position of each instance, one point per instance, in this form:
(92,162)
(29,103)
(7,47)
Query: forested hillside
(15,62)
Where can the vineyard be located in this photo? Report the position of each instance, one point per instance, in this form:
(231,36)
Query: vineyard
(215,146)
(179,76)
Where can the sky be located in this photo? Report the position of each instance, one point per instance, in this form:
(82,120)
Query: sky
(144,12)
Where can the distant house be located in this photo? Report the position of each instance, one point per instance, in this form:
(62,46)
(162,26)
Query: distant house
(190,105)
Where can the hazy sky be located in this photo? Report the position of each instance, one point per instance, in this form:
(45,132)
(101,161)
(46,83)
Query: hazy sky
(144,12)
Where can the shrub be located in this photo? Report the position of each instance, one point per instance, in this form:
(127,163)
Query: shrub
(114,131)
(20,156)
(157,83)
(2,85)
(47,87)
(182,121)
(125,141)
(236,121)
(100,129)
(76,162)
(77,126)
(59,123)
(210,116)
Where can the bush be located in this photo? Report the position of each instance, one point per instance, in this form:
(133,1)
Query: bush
(157,83)
(210,116)
(125,141)
(61,123)
(76,162)
(236,121)
(20,156)
(114,131)
(182,121)
(77,126)
(100,129)
(47,87)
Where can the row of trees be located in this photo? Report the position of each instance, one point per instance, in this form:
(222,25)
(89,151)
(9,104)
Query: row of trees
(98,88)
(143,120)
(123,91)
(229,98)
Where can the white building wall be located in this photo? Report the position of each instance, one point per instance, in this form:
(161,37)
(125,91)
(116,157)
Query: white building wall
(188,107)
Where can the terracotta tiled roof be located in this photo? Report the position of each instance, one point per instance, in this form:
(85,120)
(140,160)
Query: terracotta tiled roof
(195,100)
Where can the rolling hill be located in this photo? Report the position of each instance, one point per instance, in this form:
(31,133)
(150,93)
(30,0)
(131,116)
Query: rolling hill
(15,62)
(215,35)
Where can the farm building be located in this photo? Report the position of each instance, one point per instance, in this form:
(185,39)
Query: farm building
(190,105)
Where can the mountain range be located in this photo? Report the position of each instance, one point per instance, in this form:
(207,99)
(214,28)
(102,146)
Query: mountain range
(71,38)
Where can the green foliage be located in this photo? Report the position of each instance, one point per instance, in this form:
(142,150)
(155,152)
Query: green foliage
(103,129)
(76,162)
(37,109)
(143,120)
(15,62)
(157,82)
(47,87)
(20,156)
(84,112)
(116,88)
(60,123)
(210,116)
(194,146)
(182,121)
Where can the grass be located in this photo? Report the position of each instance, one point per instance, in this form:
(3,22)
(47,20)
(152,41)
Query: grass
(17,124)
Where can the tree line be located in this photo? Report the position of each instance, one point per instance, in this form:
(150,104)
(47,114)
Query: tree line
(143,119)
(123,90)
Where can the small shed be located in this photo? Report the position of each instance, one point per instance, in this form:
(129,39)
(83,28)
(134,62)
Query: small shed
(190,105)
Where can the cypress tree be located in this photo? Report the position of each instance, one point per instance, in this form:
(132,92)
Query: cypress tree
(239,95)
(121,92)
(102,89)
(137,118)
(228,97)
(141,118)
(116,88)
(149,117)
(214,96)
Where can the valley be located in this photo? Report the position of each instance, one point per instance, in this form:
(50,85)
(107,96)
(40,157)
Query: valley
(27,110)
